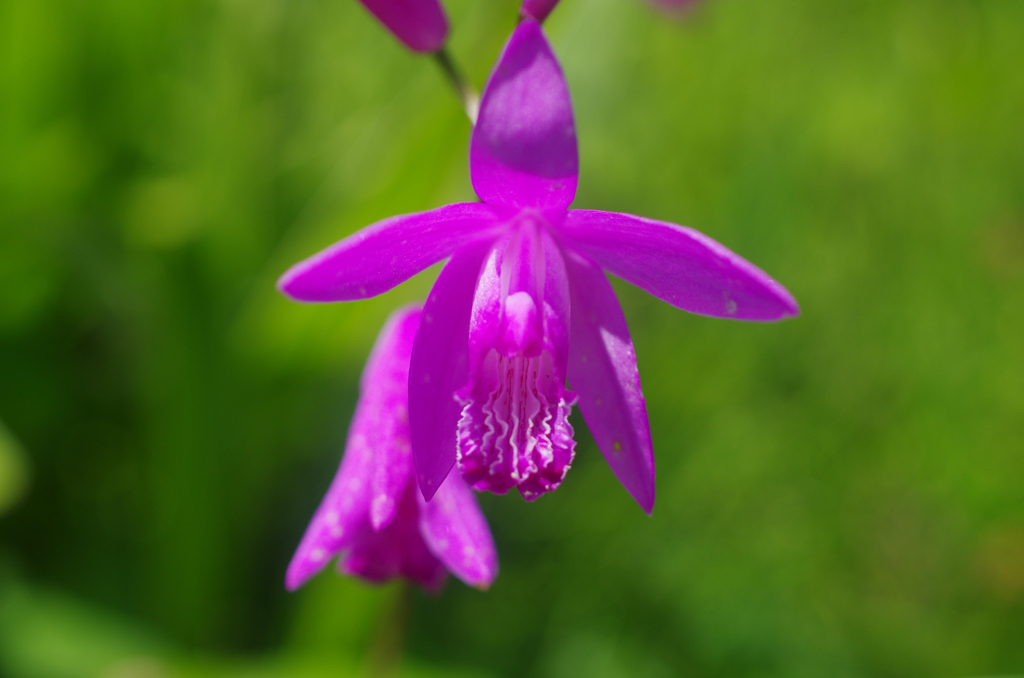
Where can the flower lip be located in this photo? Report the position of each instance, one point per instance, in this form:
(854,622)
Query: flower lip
(514,430)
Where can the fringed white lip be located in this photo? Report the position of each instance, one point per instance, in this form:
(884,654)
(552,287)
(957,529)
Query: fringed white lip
(515,431)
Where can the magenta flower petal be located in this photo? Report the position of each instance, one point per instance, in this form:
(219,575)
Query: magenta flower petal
(557,304)
(440,366)
(384,400)
(420,24)
(538,9)
(338,522)
(378,440)
(457,533)
(387,253)
(679,265)
(603,372)
(397,550)
(523,149)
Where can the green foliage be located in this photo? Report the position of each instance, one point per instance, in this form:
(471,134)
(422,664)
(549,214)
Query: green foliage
(13,470)
(837,495)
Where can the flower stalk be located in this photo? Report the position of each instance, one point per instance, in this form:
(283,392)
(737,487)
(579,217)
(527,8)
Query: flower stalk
(463,90)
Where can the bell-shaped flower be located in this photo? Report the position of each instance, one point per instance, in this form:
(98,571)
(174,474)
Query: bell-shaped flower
(420,24)
(523,305)
(373,514)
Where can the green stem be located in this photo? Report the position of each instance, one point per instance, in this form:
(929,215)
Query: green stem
(467,95)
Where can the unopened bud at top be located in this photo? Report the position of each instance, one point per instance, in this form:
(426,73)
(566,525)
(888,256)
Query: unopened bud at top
(420,24)
(537,9)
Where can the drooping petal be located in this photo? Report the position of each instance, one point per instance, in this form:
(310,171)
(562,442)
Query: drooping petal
(457,533)
(603,372)
(677,264)
(523,149)
(341,516)
(538,9)
(396,551)
(420,24)
(384,397)
(378,257)
(440,366)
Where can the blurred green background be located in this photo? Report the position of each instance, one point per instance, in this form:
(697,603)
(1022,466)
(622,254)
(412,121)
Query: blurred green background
(838,495)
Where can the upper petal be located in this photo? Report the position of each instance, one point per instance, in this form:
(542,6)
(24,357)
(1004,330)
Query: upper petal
(457,533)
(380,256)
(602,371)
(523,149)
(440,365)
(420,24)
(677,264)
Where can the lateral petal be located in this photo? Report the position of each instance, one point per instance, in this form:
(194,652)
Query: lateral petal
(456,531)
(678,265)
(440,366)
(603,372)
(523,149)
(381,256)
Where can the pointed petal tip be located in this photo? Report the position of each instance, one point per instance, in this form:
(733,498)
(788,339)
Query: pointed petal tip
(648,507)
(643,496)
(284,283)
(428,488)
(295,285)
(298,573)
(792,307)
(787,306)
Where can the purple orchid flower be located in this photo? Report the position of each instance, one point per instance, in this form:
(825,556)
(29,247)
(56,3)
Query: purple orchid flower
(420,24)
(523,304)
(373,512)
